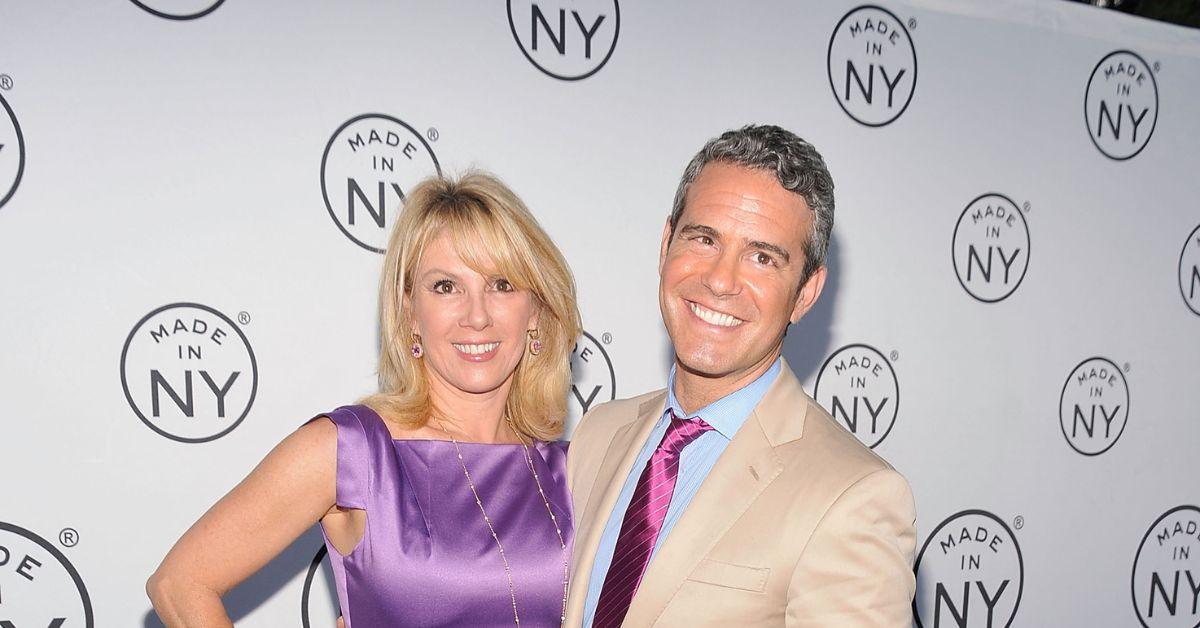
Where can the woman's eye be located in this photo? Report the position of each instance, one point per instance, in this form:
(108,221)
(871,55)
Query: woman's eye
(503,285)
(443,286)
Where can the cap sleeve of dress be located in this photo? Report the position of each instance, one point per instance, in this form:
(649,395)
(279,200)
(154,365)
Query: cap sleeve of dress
(360,436)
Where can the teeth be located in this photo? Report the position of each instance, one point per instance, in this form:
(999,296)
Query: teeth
(714,318)
(476,349)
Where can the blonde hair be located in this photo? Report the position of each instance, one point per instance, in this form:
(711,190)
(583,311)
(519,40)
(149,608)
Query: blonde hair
(487,223)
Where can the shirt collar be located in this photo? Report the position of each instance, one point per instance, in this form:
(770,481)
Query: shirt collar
(728,413)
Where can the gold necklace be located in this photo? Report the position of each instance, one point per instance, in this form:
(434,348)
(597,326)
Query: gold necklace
(562,618)
(495,537)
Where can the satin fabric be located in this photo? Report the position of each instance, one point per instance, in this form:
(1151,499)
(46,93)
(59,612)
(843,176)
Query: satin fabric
(427,557)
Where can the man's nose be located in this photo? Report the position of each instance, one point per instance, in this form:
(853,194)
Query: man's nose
(721,276)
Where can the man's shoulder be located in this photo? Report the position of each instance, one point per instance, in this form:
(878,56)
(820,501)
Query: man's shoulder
(841,441)
(596,430)
(611,415)
(831,451)
(804,433)
(622,407)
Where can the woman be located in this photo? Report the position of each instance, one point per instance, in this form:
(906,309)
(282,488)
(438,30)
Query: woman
(443,499)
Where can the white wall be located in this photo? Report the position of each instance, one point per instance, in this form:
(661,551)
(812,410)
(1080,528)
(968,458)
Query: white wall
(181,161)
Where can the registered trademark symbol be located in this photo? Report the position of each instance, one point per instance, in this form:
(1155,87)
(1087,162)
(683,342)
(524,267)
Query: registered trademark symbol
(912,23)
(432,134)
(1157,67)
(1125,367)
(1027,206)
(244,318)
(606,338)
(6,82)
(894,355)
(1019,522)
(68,537)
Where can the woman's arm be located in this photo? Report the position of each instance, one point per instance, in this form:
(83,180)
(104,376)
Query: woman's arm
(289,491)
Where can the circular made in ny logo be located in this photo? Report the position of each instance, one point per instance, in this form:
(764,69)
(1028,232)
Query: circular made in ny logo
(858,386)
(970,573)
(38,585)
(189,372)
(566,40)
(593,380)
(319,603)
(1120,105)
(1166,571)
(1094,406)
(368,164)
(872,65)
(1189,271)
(179,9)
(990,248)
(12,153)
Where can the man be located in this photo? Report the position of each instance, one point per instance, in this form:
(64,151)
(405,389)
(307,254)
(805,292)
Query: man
(731,498)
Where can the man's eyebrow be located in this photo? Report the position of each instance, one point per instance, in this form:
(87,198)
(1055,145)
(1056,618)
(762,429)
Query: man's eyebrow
(775,249)
(772,248)
(693,228)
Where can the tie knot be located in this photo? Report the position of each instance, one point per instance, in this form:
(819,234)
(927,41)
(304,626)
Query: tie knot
(682,432)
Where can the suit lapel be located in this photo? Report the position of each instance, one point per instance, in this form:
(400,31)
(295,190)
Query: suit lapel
(747,466)
(744,469)
(614,469)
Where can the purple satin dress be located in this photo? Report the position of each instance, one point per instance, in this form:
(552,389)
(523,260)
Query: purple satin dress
(427,557)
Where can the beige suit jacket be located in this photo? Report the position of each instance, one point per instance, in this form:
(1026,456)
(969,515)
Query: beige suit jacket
(798,524)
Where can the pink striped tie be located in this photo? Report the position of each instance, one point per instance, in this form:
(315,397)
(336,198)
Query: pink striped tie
(643,520)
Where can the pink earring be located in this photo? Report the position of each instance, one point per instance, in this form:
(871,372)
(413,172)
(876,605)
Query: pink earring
(535,345)
(417,349)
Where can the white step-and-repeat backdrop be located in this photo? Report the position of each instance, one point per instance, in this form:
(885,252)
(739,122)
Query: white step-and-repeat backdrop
(193,194)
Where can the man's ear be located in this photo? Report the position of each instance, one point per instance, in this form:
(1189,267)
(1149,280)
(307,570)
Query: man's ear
(666,244)
(808,294)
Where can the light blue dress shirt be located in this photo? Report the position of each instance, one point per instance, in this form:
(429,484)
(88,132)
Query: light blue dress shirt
(726,415)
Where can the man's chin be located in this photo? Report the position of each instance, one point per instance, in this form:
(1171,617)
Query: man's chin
(703,365)
(712,362)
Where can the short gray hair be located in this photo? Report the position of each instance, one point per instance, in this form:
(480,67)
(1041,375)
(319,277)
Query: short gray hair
(795,163)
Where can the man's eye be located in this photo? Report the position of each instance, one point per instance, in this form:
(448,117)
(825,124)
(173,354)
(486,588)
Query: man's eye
(705,240)
(443,286)
(764,259)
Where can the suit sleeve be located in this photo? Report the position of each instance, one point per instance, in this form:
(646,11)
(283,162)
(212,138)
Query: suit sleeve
(856,570)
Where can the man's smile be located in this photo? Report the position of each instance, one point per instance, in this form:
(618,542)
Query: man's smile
(713,317)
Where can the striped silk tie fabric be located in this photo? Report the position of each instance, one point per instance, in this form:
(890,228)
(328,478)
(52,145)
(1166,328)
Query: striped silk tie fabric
(643,520)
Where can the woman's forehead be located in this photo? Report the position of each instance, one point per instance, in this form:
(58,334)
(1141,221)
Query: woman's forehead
(459,253)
